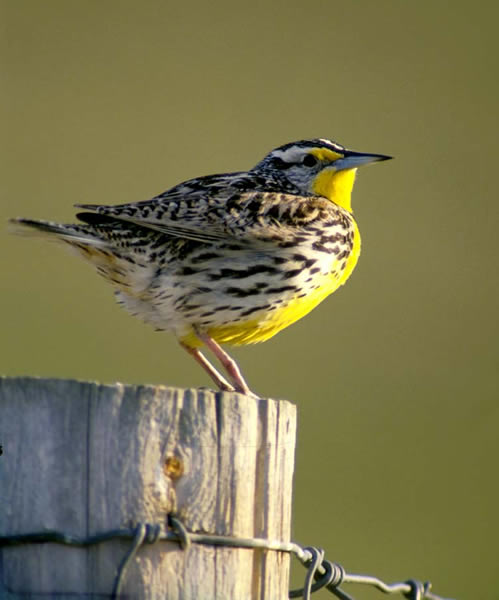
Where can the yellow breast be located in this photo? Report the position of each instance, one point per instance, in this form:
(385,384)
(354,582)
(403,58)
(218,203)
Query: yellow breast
(337,187)
(267,324)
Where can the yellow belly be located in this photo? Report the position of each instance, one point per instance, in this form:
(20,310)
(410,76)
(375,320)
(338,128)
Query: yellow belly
(266,325)
(262,329)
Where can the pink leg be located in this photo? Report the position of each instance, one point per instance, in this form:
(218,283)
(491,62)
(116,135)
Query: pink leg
(228,363)
(199,357)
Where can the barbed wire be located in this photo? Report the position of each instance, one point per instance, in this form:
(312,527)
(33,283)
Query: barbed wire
(321,573)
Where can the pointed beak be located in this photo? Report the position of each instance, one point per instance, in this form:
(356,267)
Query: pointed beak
(352,160)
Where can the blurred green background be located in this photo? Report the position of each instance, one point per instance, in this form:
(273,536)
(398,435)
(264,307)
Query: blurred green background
(395,376)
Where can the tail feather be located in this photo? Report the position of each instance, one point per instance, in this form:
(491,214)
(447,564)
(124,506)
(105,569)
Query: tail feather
(75,234)
(98,242)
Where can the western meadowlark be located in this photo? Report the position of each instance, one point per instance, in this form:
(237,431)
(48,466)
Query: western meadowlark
(231,258)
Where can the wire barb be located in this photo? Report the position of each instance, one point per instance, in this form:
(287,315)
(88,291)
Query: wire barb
(140,536)
(331,579)
(181,530)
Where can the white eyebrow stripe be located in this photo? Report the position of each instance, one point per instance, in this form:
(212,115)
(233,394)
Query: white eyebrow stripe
(290,155)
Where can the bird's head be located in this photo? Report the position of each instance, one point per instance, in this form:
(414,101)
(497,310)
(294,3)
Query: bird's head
(318,167)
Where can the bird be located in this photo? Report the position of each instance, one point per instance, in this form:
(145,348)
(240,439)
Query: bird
(232,258)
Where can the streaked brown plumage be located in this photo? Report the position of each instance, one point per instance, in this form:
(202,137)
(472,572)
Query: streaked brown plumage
(230,258)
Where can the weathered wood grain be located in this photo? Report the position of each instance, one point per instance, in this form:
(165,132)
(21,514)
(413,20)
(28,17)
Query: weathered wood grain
(85,458)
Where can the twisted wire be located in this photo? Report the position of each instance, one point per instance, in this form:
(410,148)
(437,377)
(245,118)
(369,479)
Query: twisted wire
(321,573)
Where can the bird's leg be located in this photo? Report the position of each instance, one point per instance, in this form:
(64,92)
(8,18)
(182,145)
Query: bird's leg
(199,357)
(228,363)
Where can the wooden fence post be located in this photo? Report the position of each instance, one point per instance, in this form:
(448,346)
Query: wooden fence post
(85,458)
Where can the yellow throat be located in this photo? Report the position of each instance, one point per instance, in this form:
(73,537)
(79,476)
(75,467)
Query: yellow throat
(336,186)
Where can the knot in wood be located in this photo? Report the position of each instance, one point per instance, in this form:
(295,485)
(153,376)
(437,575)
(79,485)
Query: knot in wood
(173,467)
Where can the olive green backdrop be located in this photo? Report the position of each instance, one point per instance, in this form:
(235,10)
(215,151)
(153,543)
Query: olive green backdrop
(395,376)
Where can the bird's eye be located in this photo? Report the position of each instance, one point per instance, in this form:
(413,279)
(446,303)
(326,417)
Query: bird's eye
(309,160)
